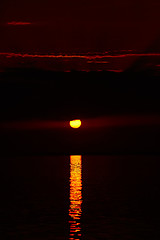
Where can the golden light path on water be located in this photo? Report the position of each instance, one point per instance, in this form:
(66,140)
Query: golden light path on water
(75,209)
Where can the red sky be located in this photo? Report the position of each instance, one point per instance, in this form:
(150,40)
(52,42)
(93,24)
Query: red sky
(84,25)
(72,26)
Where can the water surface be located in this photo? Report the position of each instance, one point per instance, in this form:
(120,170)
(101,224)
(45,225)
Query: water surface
(80,197)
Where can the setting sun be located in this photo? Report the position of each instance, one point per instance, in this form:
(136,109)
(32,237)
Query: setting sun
(75,123)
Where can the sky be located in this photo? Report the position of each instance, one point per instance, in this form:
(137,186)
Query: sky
(48,27)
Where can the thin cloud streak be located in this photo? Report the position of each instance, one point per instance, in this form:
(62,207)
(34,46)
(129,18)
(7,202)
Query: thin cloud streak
(97,62)
(14,23)
(115,70)
(88,57)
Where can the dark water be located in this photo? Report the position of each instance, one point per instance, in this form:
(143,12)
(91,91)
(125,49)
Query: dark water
(80,197)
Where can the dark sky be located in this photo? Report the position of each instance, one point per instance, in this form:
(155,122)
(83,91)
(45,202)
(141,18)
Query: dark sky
(90,25)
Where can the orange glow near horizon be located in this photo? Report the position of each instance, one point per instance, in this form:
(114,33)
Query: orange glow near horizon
(75,210)
(75,123)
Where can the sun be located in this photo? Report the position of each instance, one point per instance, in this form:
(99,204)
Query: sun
(75,123)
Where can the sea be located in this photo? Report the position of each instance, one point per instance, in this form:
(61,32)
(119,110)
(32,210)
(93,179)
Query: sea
(73,197)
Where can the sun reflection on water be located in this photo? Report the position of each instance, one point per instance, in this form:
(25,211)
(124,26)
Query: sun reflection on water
(75,210)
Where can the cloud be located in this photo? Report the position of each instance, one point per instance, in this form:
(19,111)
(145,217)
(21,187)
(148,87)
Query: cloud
(97,62)
(87,57)
(14,23)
